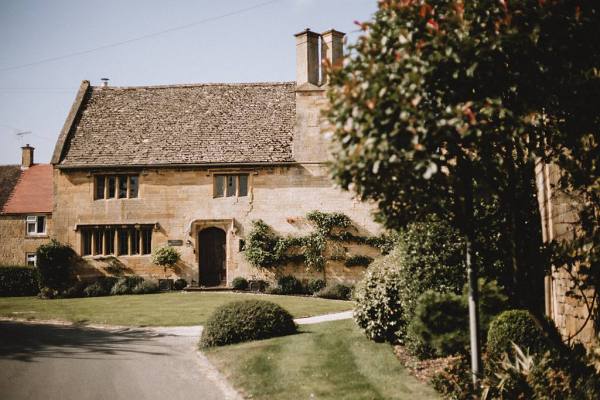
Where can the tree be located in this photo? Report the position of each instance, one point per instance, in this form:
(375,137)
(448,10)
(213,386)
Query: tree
(166,256)
(444,109)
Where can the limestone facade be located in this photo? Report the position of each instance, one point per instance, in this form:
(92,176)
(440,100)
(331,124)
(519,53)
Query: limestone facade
(15,244)
(179,203)
(177,140)
(559,222)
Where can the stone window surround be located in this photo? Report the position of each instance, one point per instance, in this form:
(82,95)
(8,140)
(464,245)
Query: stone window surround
(233,171)
(79,227)
(118,176)
(36,235)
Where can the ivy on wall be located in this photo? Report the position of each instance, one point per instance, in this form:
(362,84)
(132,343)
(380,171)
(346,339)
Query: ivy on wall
(264,248)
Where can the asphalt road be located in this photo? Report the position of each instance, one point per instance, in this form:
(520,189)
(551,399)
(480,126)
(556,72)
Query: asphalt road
(66,362)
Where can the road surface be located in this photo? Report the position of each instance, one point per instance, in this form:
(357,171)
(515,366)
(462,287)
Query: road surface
(47,362)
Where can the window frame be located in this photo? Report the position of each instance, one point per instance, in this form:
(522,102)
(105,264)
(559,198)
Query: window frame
(118,180)
(34,256)
(35,221)
(237,185)
(116,240)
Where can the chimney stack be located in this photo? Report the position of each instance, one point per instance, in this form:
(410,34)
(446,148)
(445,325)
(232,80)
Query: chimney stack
(332,51)
(26,156)
(307,58)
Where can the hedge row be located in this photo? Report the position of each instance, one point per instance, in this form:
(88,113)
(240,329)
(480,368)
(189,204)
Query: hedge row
(18,281)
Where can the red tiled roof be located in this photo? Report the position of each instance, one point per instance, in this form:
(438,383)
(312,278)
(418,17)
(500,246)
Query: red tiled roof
(33,192)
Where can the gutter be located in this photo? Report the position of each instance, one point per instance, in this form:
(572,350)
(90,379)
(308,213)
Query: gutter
(181,165)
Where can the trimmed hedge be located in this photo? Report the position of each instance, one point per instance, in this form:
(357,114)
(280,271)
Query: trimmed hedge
(515,326)
(289,285)
(180,284)
(18,281)
(242,321)
(337,291)
(239,283)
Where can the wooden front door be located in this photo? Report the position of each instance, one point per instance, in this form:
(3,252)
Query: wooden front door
(211,246)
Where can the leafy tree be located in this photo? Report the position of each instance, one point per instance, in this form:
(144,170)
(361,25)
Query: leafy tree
(444,108)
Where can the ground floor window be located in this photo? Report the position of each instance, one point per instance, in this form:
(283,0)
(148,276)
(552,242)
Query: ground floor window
(125,239)
(31,260)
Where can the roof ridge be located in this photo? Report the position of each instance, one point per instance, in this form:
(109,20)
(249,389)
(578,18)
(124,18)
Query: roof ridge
(191,85)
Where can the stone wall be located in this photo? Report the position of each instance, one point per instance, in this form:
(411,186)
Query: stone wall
(180,203)
(559,222)
(15,244)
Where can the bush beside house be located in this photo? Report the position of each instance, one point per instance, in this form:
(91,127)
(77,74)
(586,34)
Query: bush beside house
(18,281)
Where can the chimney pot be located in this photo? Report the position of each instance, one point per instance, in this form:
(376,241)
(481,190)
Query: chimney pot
(332,51)
(307,57)
(26,156)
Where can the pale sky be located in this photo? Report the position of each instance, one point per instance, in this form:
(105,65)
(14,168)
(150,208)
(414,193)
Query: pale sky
(256,45)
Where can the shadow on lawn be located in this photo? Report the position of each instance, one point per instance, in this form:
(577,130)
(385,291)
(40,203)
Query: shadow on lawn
(26,342)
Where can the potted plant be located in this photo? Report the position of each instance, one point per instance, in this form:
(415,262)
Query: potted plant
(166,257)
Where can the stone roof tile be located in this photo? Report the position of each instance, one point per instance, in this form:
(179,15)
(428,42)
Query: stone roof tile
(183,124)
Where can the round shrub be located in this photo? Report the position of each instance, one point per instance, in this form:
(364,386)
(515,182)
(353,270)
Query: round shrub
(246,320)
(125,285)
(315,285)
(146,287)
(289,285)
(96,289)
(428,255)
(337,291)
(180,284)
(239,283)
(515,326)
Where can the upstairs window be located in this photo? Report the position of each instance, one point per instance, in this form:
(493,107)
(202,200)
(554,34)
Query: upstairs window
(36,225)
(230,185)
(116,186)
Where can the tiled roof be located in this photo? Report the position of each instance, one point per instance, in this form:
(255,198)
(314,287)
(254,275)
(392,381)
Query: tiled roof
(182,124)
(33,192)
(9,175)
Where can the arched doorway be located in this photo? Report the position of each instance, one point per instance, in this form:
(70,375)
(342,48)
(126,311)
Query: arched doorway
(211,248)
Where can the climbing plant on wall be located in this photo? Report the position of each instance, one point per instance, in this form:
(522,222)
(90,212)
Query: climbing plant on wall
(265,249)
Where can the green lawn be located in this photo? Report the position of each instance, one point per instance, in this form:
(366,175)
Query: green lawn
(165,309)
(330,360)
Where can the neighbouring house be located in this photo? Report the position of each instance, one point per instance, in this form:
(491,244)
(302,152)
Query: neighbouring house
(26,202)
(192,165)
(565,302)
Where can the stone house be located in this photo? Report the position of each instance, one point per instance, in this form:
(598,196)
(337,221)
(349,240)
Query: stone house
(559,217)
(26,202)
(191,166)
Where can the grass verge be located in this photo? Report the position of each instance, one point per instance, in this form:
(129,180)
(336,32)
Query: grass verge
(331,360)
(164,309)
